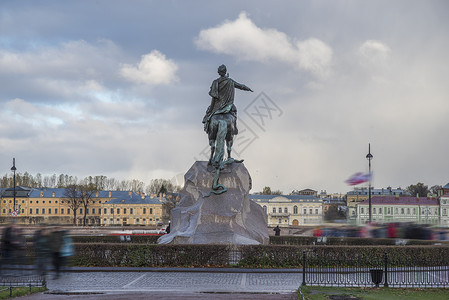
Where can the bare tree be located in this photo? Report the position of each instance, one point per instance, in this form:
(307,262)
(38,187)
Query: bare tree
(79,195)
(161,186)
(73,199)
(171,201)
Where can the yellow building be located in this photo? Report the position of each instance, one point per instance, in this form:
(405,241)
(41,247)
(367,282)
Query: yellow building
(51,206)
(132,209)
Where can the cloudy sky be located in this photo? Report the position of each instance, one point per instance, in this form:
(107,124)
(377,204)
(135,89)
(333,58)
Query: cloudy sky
(119,88)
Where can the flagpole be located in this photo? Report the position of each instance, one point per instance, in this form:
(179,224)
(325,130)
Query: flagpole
(369,156)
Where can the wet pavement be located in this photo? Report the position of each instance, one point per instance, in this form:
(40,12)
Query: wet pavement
(176,284)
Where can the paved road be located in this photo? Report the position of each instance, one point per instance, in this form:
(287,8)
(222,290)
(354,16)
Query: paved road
(172,285)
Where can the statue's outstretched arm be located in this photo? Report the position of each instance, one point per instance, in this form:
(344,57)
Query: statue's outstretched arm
(242,86)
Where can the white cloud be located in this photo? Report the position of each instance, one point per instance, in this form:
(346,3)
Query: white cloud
(374,52)
(243,39)
(152,69)
(73,59)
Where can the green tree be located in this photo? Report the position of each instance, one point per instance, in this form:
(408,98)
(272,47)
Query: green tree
(419,189)
(266,191)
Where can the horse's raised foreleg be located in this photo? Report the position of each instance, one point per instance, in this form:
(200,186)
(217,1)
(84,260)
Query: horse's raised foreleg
(221,136)
(212,150)
(229,144)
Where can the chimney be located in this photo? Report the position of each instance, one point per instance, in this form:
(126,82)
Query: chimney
(110,194)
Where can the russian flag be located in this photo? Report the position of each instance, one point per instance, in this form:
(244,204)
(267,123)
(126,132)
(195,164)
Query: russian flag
(359,178)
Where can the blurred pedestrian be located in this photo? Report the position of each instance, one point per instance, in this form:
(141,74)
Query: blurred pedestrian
(55,246)
(67,249)
(42,250)
(9,244)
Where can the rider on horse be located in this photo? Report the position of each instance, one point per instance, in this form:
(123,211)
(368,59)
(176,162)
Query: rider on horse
(222,107)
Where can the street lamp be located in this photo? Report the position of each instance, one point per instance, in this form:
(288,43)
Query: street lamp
(13,169)
(369,156)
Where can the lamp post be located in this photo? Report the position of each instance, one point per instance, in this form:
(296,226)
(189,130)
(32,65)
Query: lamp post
(13,169)
(369,156)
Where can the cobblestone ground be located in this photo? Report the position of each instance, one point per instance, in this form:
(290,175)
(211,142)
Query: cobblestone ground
(172,285)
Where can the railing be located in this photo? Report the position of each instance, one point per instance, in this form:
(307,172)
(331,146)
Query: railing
(379,271)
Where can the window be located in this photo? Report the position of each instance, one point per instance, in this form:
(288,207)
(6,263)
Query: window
(49,201)
(131,211)
(105,211)
(43,211)
(124,211)
(151,211)
(68,211)
(93,210)
(414,210)
(144,211)
(31,211)
(87,211)
(62,211)
(389,211)
(408,210)
(311,211)
(396,210)
(305,211)
(280,209)
(81,210)
(111,221)
(112,211)
(374,210)
(316,211)
(295,210)
(265,208)
(361,210)
(274,210)
(23,210)
(56,211)
(37,211)
(104,221)
(286,210)
(49,211)
(118,211)
(444,211)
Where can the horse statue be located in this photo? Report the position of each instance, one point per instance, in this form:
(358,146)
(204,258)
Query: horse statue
(220,122)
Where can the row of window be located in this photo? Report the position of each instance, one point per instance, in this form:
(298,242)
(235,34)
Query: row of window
(295,210)
(50,211)
(125,211)
(403,211)
(125,220)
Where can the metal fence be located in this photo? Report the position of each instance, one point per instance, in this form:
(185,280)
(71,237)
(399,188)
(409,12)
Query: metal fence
(375,272)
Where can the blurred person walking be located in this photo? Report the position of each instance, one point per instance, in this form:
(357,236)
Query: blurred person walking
(9,245)
(55,246)
(67,249)
(41,250)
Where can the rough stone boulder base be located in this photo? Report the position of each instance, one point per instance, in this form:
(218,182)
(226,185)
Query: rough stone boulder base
(228,218)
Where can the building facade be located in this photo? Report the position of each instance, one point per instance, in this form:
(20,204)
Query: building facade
(291,210)
(388,209)
(51,206)
(444,210)
(359,195)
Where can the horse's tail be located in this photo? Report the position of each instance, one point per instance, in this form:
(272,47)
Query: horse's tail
(220,140)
